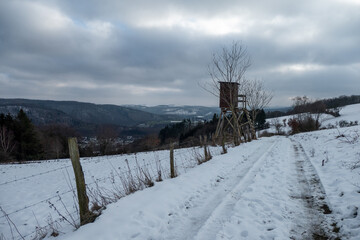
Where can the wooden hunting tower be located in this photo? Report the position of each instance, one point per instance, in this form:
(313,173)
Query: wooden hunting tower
(234,119)
(229,94)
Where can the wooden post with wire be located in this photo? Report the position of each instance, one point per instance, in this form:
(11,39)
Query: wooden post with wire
(172,163)
(85,215)
(206,154)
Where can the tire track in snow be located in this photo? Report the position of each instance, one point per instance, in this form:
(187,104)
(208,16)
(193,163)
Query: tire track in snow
(315,220)
(207,212)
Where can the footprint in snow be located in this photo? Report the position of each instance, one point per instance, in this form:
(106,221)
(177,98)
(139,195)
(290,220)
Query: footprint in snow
(244,233)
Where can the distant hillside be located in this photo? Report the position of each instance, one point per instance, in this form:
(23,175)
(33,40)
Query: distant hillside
(181,111)
(279,109)
(78,113)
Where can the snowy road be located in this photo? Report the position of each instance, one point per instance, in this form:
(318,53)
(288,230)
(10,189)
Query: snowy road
(266,189)
(210,210)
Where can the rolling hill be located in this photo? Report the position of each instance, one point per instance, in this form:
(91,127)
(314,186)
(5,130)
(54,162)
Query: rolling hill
(78,113)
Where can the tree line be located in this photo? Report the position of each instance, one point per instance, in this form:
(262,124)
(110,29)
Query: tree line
(304,104)
(20,140)
(305,113)
(186,131)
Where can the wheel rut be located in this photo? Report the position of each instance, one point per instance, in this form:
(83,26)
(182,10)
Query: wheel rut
(315,221)
(206,212)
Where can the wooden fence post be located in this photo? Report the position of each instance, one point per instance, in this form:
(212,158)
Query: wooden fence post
(213,140)
(85,215)
(172,164)
(206,157)
(223,144)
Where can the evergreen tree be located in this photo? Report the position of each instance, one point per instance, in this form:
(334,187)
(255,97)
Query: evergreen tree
(215,119)
(7,121)
(260,119)
(174,131)
(29,147)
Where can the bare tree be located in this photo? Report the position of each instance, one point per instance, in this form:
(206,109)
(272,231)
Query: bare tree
(277,124)
(317,109)
(257,96)
(7,143)
(56,146)
(106,136)
(301,104)
(229,65)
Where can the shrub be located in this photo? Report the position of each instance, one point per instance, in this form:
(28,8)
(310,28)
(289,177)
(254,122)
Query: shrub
(303,123)
(266,134)
(294,124)
(344,123)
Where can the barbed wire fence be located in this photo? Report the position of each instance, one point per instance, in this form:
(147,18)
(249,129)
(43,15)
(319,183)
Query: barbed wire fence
(101,191)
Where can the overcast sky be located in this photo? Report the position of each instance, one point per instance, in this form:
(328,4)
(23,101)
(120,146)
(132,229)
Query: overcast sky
(157,52)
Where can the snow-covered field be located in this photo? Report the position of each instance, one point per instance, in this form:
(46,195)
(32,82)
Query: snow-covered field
(28,190)
(305,186)
(350,113)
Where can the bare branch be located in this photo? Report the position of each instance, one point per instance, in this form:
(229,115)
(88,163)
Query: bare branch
(7,143)
(229,65)
(257,96)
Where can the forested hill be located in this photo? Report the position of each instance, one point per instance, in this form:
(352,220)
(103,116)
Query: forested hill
(78,113)
(182,111)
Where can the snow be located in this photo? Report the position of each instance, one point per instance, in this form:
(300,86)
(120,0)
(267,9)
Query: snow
(180,111)
(27,190)
(341,183)
(348,113)
(163,212)
(271,188)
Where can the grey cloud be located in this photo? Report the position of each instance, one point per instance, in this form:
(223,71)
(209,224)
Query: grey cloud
(48,62)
